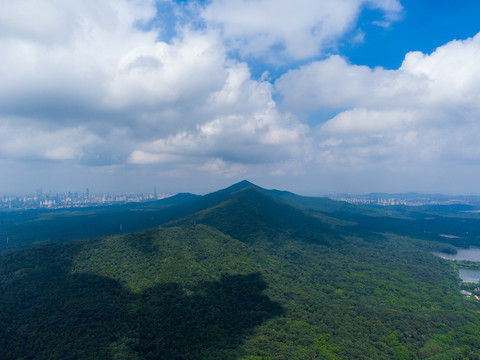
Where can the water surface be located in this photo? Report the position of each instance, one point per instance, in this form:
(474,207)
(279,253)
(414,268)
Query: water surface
(469,275)
(471,254)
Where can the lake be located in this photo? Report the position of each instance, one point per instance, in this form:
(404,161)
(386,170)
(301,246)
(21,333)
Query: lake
(469,275)
(471,254)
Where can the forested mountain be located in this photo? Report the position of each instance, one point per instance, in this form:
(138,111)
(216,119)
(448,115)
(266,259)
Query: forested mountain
(242,273)
(27,228)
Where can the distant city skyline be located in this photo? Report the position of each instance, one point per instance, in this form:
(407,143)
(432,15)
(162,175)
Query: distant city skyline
(73,199)
(79,199)
(309,96)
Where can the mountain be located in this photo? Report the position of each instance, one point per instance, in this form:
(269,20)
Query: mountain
(162,294)
(27,228)
(251,215)
(314,203)
(250,209)
(242,273)
(23,229)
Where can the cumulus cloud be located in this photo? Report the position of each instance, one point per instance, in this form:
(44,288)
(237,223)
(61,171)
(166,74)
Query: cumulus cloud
(293,29)
(39,143)
(426,112)
(59,58)
(95,85)
(335,84)
(247,129)
(229,119)
(161,74)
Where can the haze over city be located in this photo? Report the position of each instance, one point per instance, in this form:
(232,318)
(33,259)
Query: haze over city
(309,96)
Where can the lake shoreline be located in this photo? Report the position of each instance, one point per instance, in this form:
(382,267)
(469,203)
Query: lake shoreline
(464,254)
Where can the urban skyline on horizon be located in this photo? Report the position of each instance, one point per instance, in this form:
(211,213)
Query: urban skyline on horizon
(86,198)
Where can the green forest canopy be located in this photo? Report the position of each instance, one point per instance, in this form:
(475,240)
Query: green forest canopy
(246,276)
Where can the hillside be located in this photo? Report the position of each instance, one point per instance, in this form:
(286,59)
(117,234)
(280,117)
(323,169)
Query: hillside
(28,228)
(130,294)
(239,274)
(249,214)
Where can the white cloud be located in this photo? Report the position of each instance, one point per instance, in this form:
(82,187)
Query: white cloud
(56,22)
(294,29)
(159,74)
(447,77)
(360,121)
(83,70)
(237,123)
(220,167)
(426,113)
(23,140)
(86,82)
(261,136)
(73,61)
(334,83)
(143,157)
(150,101)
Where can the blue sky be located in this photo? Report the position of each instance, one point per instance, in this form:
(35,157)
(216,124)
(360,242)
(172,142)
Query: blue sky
(312,96)
(424,26)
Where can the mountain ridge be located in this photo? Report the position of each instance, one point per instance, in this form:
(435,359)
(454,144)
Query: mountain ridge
(254,208)
(34,227)
(241,274)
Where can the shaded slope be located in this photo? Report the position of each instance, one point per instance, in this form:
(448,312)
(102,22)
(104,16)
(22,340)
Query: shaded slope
(30,228)
(425,222)
(315,203)
(333,219)
(180,293)
(252,216)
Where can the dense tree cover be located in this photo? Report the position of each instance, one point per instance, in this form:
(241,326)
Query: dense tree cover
(27,228)
(54,305)
(34,227)
(249,277)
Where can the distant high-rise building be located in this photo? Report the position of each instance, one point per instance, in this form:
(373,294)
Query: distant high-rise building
(87,194)
(155,192)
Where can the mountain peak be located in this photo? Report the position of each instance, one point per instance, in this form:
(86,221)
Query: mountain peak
(239,186)
(244,183)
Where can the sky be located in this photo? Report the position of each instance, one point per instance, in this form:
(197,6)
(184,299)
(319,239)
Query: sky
(310,96)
